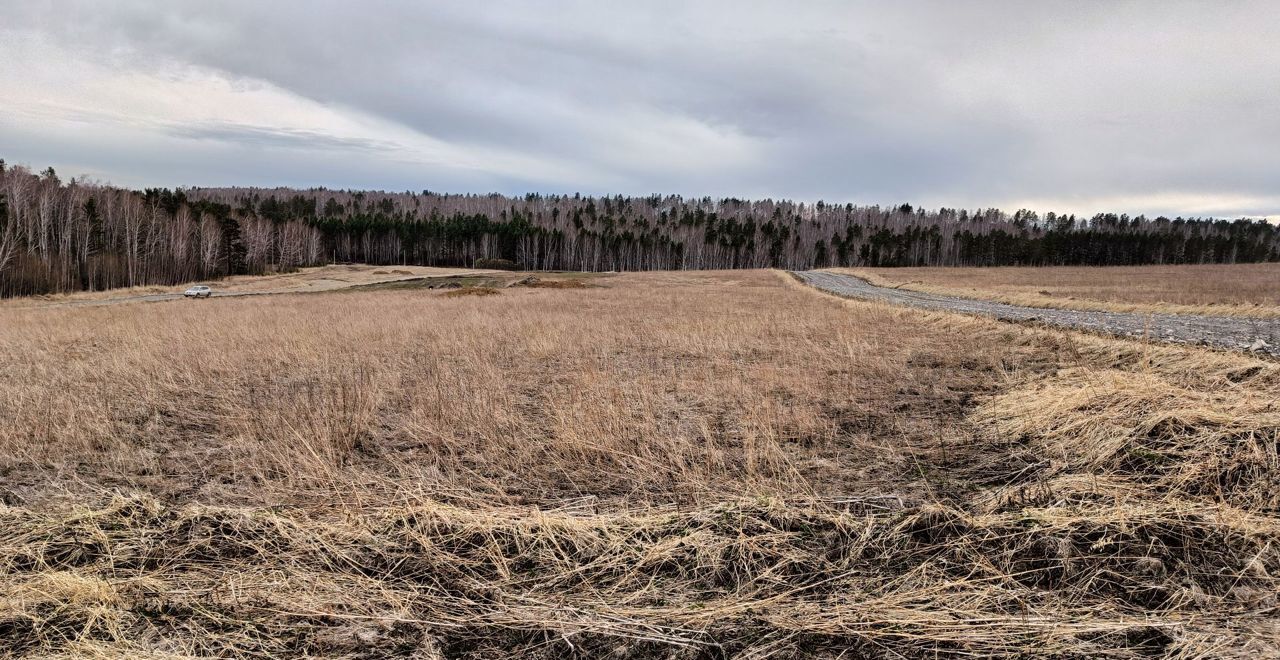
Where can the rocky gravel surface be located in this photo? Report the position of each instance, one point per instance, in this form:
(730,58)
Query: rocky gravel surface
(1259,335)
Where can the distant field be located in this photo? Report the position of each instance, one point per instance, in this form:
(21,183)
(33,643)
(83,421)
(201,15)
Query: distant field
(302,280)
(640,465)
(1240,289)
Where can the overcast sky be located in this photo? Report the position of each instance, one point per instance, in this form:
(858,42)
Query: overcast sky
(1159,107)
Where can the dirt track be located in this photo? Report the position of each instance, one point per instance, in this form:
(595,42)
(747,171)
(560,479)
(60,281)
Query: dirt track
(1262,335)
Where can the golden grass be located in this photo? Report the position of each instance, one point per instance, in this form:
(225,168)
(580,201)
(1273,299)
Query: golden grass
(656,382)
(671,463)
(1179,438)
(1226,290)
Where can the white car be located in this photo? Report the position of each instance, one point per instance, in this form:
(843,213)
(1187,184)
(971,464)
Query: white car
(200,291)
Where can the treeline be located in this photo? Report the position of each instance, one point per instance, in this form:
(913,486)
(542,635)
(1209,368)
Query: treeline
(57,236)
(74,236)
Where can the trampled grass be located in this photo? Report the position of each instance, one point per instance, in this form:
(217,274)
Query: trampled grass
(659,465)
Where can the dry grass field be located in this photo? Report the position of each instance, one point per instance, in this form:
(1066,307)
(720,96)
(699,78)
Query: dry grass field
(662,465)
(1232,290)
(304,280)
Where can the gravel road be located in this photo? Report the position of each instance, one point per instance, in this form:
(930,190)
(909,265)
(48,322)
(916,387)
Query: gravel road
(1261,335)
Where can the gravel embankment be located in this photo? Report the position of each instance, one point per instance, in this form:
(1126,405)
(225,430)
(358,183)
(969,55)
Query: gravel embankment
(1261,335)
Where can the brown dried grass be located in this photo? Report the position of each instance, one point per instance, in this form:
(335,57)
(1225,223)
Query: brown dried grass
(471,291)
(672,465)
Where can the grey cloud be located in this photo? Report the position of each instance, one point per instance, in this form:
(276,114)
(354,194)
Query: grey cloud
(932,102)
(271,137)
(138,157)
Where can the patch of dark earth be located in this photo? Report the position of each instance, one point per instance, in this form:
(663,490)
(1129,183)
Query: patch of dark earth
(1226,332)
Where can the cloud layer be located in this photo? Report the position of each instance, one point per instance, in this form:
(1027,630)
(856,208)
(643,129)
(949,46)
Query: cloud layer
(1140,107)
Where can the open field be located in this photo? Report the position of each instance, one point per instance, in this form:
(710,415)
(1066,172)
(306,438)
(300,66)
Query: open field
(1217,289)
(304,280)
(658,465)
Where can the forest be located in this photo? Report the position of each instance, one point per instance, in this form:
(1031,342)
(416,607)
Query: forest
(58,236)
